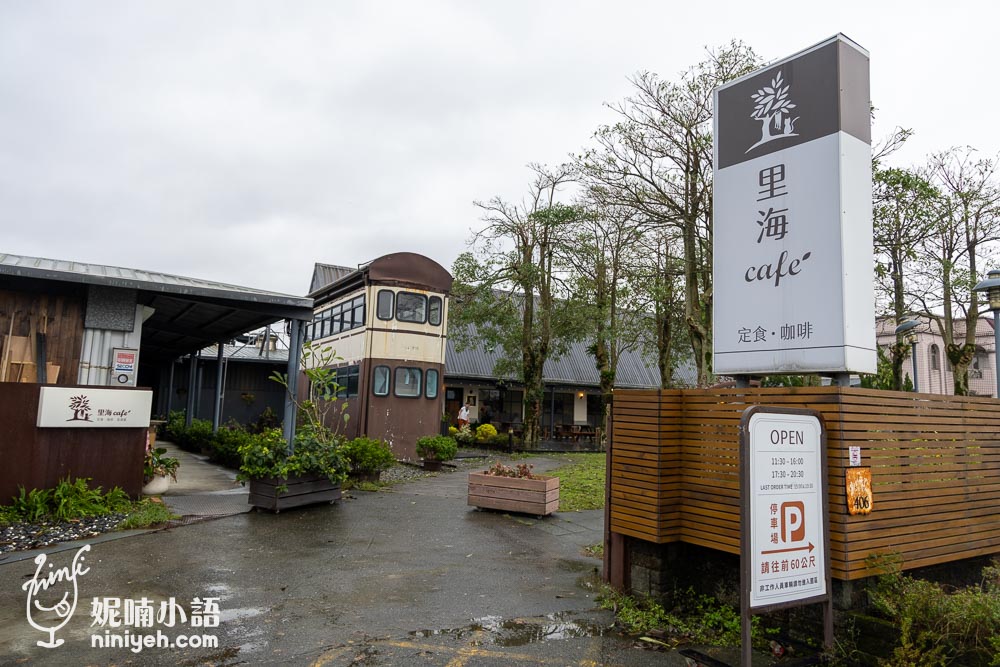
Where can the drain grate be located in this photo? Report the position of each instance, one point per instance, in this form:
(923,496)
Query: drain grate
(208,505)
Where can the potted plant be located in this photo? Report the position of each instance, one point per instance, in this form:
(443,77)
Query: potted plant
(435,449)
(514,489)
(367,458)
(158,470)
(281,477)
(311,467)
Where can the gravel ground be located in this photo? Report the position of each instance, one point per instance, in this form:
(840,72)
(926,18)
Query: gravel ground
(23,535)
(469,459)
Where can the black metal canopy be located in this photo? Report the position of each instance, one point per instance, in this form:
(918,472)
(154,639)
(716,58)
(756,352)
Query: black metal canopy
(189,313)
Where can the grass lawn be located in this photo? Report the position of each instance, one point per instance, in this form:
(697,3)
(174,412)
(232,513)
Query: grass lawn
(581,481)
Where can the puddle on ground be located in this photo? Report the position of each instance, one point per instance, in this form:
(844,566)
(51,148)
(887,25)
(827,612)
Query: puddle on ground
(521,631)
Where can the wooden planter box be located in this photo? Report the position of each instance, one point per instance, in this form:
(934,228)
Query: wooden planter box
(529,496)
(304,490)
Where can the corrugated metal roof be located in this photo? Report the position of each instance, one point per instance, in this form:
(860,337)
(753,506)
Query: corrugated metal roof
(246,353)
(117,276)
(188,313)
(327,274)
(576,367)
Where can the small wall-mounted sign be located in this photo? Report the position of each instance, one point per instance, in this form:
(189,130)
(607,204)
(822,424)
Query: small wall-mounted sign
(855,455)
(86,407)
(124,365)
(859,491)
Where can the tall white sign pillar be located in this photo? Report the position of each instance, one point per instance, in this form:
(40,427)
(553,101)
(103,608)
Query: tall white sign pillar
(793,282)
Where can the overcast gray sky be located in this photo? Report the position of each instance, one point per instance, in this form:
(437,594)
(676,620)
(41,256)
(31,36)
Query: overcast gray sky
(243,141)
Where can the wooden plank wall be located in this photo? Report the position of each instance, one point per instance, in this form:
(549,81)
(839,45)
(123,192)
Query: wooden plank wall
(645,458)
(60,316)
(935,467)
(37,458)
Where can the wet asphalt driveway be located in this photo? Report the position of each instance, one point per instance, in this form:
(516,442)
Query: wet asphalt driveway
(408,577)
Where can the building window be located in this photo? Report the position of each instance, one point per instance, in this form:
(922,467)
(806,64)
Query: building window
(432,383)
(347,378)
(341,317)
(384,309)
(380,381)
(408,382)
(358,310)
(511,406)
(935,357)
(411,307)
(336,320)
(434,311)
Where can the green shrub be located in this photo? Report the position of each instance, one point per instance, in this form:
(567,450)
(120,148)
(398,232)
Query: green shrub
(485,431)
(437,448)
(268,419)
(698,618)
(66,502)
(199,437)
(500,440)
(194,438)
(368,455)
(8,515)
(174,429)
(266,455)
(146,513)
(32,505)
(72,500)
(939,626)
(226,444)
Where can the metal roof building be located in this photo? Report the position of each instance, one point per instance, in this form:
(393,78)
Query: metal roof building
(575,368)
(188,313)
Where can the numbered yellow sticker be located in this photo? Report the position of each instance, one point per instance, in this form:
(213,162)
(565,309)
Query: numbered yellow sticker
(859,491)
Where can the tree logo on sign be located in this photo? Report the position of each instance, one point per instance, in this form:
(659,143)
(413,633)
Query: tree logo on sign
(772,107)
(80,405)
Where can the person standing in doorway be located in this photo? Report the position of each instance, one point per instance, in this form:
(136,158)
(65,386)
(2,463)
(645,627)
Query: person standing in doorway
(463,416)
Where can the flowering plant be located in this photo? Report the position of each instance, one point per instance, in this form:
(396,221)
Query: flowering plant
(464,435)
(521,471)
(155,464)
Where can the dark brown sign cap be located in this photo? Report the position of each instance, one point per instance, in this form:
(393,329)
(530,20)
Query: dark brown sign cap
(823,90)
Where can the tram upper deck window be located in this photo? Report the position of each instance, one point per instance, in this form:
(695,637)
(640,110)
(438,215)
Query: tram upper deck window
(384,308)
(411,307)
(434,311)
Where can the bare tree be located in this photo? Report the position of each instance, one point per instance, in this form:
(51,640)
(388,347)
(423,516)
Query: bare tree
(508,289)
(968,222)
(599,256)
(658,160)
(905,205)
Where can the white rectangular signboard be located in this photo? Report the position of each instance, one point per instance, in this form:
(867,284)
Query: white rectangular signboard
(792,252)
(86,407)
(786,515)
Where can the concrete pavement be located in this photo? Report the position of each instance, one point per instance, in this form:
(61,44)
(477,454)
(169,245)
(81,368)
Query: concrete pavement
(407,577)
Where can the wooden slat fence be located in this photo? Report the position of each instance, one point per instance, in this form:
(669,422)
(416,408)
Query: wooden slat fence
(935,470)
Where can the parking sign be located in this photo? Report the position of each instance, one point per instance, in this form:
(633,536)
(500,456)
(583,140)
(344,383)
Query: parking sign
(784,533)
